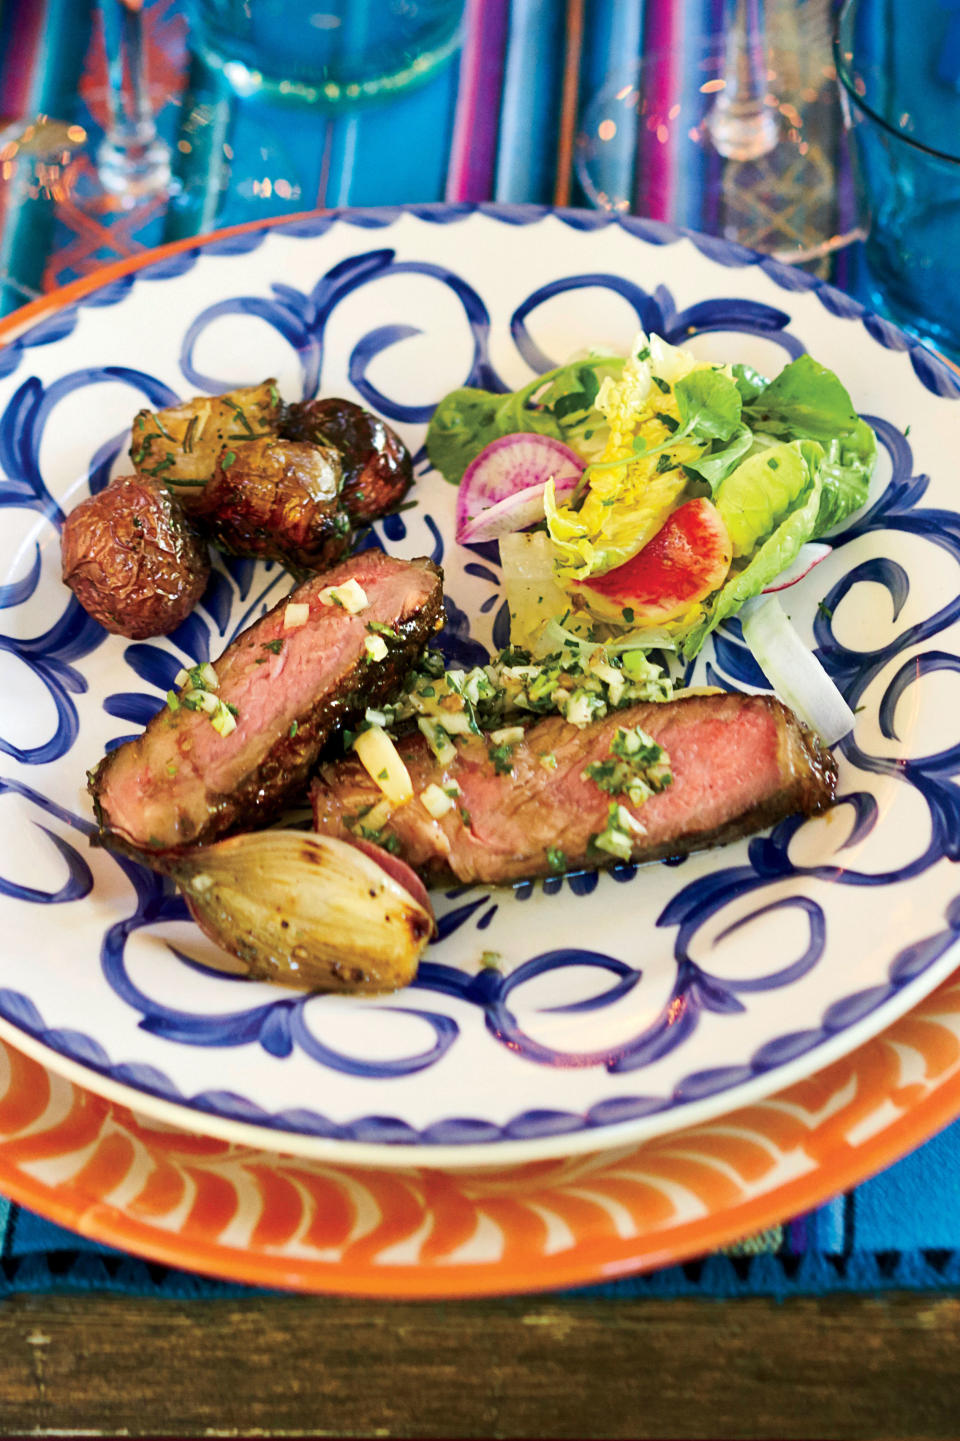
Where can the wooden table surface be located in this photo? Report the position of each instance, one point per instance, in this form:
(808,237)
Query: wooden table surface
(842,1367)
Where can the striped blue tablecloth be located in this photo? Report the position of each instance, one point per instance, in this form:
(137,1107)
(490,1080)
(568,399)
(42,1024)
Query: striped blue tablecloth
(498,123)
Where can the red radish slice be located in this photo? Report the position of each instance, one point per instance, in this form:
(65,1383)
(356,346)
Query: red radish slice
(505,469)
(506,516)
(808,556)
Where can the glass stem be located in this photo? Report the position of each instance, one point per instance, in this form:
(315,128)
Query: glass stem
(132,159)
(741,123)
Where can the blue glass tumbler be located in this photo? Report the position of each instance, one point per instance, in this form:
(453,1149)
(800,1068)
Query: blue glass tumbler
(333,54)
(898,63)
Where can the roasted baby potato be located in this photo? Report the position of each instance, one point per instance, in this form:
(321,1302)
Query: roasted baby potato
(377,469)
(279,500)
(132,558)
(180,445)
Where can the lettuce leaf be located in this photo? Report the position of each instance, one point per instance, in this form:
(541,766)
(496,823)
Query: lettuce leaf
(559,403)
(774,555)
(767,486)
(709,405)
(846,470)
(805,401)
(748,381)
(714,466)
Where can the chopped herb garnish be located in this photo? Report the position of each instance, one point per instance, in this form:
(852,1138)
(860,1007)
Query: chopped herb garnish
(773,463)
(379,628)
(556,859)
(824,610)
(162,428)
(465,817)
(274,645)
(502,757)
(239,413)
(661,384)
(644,354)
(162,465)
(274,395)
(228,460)
(667,421)
(628,614)
(636,767)
(665,462)
(188,434)
(907,431)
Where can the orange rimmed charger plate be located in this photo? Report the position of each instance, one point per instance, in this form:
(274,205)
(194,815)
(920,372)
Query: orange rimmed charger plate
(258,1216)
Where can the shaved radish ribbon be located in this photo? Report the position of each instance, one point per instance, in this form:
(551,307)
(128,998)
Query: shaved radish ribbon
(502,487)
(807,557)
(793,670)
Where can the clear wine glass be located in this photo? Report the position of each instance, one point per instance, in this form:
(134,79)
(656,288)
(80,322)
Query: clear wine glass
(132,159)
(736,133)
(46,160)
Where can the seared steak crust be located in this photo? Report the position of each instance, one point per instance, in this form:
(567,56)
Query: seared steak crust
(739,764)
(182,784)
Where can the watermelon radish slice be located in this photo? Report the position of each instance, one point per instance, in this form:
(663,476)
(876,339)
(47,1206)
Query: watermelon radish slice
(687,559)
(502,487)
(807,557)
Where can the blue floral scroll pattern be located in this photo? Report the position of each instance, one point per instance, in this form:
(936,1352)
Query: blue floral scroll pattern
(281,1025)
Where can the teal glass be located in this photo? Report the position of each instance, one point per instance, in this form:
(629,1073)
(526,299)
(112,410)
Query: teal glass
(898,62)
(335,54)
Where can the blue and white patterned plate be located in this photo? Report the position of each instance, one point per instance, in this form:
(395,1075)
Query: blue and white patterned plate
(627,1004)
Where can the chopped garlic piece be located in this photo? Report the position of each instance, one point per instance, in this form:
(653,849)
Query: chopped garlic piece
(376,647)
(223,720)
(377,816)
(436,801)
(381,760)
(202,700)
(509,736)
(437,739)
(295,616)
(201,677)
(349,595)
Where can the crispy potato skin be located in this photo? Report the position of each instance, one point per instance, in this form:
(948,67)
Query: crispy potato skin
(181,445)
(132,558)
(280,500)
(377,469)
